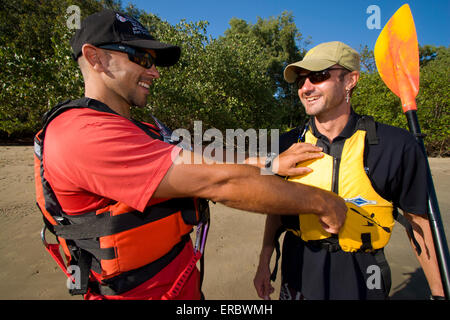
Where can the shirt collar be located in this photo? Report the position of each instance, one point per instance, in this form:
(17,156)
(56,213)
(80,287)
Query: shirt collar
(346,133)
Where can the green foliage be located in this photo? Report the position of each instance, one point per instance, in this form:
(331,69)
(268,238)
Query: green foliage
(220,82)
(372,97)
(37,70)
(235,81)
(225,82)
(277,39)
(433,102)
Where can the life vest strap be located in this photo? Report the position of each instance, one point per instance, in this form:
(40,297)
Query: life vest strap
(53,249)
(121,283)
(368,124)
(179,283)
(104,225)
(380,258)
(276,243)
(408,227)
(133,278)
(84,262)
(202,233)
(330,244)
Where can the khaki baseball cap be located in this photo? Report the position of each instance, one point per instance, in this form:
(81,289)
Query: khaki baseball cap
(322,57)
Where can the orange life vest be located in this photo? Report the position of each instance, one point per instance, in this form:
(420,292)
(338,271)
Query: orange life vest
(115,247)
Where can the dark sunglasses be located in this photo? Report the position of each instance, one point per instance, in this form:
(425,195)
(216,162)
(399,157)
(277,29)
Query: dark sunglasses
(315,77)
(141,57)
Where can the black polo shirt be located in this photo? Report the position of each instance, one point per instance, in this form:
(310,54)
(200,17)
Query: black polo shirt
(396,168)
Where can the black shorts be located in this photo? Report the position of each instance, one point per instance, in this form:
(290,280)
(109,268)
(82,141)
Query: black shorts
(317,273)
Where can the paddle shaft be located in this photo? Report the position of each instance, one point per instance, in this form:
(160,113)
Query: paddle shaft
(434,215)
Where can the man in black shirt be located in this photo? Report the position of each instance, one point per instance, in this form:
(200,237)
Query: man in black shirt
(377,168)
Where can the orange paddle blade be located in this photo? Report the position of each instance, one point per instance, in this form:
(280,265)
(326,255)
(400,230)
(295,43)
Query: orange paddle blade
(397,57)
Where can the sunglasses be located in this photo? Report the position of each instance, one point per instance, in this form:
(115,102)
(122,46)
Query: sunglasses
(315,77)
(141,57)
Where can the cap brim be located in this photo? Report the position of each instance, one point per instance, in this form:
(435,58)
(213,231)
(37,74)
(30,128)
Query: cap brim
(291,71)
(166,54)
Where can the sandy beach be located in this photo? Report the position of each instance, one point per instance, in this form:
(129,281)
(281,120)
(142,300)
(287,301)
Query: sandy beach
(231,257)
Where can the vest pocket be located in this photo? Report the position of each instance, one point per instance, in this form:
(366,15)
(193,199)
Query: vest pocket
(142,245)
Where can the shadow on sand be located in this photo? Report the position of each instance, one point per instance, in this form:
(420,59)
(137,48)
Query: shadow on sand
(415,287)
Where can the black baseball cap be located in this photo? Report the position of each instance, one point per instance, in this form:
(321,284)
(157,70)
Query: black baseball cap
(108,27)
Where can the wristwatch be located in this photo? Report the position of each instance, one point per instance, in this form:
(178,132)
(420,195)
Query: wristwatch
(269,160)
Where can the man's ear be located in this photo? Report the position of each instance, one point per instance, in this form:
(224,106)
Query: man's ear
(352,79)
(92,56)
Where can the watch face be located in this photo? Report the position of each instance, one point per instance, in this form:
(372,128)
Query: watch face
(269,160)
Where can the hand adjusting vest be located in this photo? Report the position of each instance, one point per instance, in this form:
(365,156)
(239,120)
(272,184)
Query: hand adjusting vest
(121,247)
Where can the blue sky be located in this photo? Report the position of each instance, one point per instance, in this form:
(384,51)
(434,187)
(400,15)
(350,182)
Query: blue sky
(322,20)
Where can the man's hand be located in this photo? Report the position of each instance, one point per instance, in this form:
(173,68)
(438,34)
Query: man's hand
(285,164)
(262,282)
(332,218)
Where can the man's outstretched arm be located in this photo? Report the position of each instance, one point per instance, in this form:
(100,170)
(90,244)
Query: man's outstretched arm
(243,187)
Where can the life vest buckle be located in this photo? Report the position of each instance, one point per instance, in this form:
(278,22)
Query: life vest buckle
(53,250)
(44,241)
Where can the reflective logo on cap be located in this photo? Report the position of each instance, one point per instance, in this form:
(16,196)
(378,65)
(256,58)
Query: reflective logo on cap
(120,18)
(136,27)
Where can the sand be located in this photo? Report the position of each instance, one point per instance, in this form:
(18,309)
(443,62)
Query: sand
(28,272)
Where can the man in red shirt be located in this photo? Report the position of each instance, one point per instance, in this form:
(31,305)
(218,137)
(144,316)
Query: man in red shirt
(113,191)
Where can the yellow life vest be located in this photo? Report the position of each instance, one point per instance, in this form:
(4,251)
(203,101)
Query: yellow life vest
(370,220)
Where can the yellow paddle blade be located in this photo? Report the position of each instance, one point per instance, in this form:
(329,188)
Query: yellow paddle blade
(397,57)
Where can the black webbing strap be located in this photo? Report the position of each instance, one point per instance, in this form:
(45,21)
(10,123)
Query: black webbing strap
(385,271)
(147,130)
(408,227)
(367,123)
(104,225)
(84,263)
(93,246)
(366,239)
(276,242)
(91,104)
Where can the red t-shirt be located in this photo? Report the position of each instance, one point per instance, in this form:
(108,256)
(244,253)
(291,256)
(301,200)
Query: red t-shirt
(92,157)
